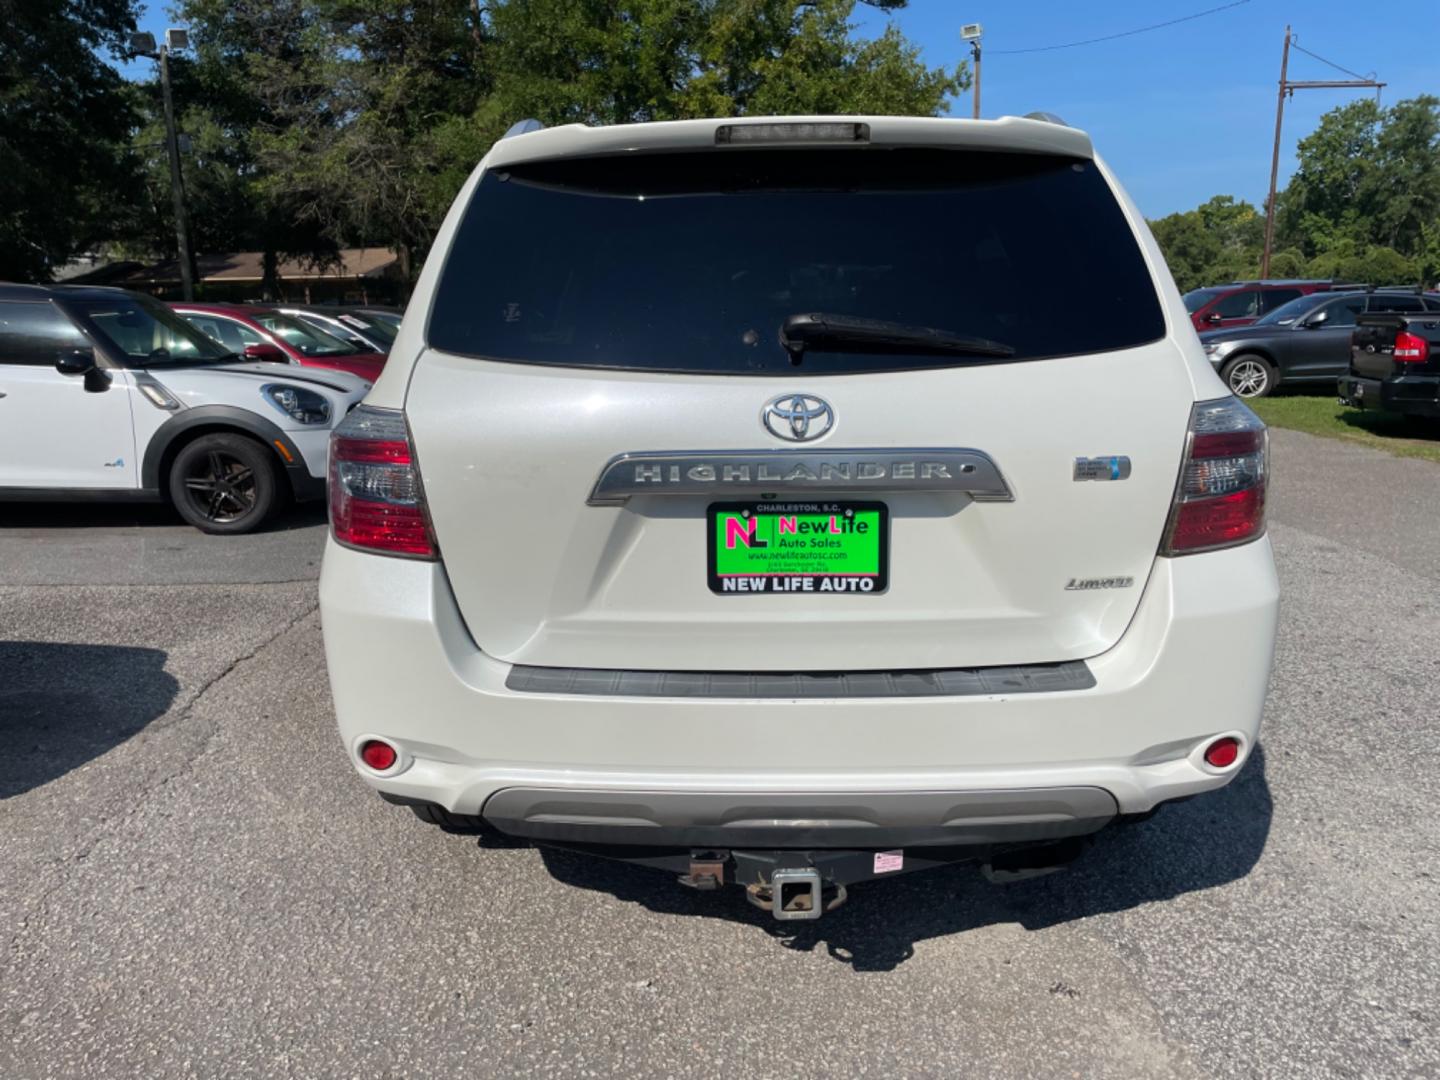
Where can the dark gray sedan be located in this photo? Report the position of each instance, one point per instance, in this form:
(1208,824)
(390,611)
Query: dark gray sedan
(1304,341)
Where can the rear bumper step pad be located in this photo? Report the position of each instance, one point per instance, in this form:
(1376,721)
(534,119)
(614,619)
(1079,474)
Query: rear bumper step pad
(940,682)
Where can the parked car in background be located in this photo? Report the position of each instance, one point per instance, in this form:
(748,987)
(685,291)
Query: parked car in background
(1219,307)
(263,333)
(357,326)
(106,394)
(625,553)
(390,316)
(1395,364)
(1305,341)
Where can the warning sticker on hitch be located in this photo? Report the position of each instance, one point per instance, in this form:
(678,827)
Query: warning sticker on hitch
(887,862)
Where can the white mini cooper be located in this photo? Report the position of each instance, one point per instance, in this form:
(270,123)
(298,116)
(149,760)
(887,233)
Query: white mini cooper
(106,394)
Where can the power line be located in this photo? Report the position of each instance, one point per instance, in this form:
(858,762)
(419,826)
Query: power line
(1123,34)
(1353,74)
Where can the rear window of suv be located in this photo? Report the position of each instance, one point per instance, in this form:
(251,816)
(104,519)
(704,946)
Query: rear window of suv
(690,262)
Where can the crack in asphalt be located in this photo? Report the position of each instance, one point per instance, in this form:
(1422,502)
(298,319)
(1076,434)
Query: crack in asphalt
(143,793)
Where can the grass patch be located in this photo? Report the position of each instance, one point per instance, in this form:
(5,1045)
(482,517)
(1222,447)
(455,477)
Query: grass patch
(1402,436)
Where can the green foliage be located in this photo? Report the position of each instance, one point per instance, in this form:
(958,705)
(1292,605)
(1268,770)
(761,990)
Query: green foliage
(64,119)
(1371,175)
(1217,241)
(332,107)
(1351,261)
(1289,263)
(620,61)
(362,118)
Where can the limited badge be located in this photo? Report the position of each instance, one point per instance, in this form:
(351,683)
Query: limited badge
(1085,583)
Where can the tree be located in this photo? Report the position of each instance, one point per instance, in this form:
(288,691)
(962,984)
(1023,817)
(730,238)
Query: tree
(620,61)
(228,108)
(367,115)
(64,123)
(353,105)
(822,69)
(1364,205)
(1368,175)
(1217,241)
(1372,263)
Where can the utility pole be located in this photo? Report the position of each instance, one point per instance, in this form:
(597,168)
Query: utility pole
(971,32)
(1275,161)
(143,44)
(1287,87)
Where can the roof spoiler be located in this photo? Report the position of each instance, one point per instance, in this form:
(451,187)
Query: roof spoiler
(1045,118)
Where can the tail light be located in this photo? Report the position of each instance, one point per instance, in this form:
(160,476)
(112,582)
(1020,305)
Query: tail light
(1411,348)
(1220,499)
(377,502)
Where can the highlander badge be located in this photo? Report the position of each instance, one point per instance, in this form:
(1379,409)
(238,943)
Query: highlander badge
(763,472)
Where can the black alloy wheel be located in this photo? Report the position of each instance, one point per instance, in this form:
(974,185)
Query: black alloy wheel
(224,484)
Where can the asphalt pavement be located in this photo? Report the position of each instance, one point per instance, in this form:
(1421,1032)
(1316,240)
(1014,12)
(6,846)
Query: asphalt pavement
(195,884)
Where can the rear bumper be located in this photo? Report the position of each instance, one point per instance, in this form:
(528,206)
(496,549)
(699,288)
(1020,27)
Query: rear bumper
(1412,395)
(819,772)
(725,820)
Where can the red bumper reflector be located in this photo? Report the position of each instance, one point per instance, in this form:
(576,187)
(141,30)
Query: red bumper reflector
(378,755)
(1222,753)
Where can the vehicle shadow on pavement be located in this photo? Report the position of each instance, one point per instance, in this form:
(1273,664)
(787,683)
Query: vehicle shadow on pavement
(63,705)
(1186,847)
(103,515)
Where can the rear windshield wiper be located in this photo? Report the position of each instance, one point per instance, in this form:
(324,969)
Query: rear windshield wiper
(822,332)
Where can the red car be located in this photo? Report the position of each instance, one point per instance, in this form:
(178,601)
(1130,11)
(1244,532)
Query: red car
(1217,307)
(261,333)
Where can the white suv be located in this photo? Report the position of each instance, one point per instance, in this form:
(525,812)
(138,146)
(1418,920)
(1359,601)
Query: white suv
(798,501)
(107,394)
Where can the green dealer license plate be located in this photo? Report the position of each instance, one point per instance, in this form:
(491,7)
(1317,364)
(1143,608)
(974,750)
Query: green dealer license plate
(799,547)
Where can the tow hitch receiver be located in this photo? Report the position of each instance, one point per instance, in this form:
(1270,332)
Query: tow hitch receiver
(794,884)
(794,893)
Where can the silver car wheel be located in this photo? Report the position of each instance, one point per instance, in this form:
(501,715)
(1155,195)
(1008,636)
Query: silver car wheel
(1249,378)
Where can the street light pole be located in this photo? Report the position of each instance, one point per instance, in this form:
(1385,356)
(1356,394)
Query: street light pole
(142,43)
(975,48)
(971,32)
(177,189)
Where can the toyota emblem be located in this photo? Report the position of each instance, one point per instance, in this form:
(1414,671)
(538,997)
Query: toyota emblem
(798,417)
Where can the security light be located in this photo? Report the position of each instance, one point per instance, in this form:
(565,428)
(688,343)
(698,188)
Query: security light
(142,42)
(177,38)
(970,32)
